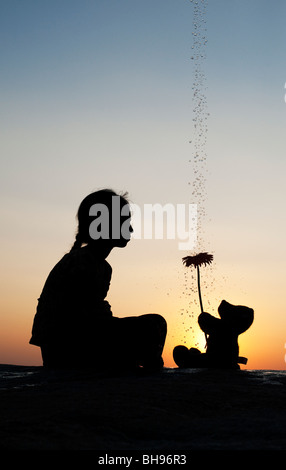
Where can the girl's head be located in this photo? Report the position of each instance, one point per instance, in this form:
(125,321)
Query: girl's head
(103,217)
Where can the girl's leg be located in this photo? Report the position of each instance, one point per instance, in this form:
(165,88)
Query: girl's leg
(151,334)
(119,343)
(140,340)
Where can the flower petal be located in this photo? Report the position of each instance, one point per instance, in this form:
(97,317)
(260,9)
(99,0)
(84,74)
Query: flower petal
(197,260)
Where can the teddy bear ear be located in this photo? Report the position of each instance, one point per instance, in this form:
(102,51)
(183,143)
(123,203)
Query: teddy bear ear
(238,317)
(248,319)
(244,318)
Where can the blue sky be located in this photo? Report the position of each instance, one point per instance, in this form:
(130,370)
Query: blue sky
(98,93)
(95,77)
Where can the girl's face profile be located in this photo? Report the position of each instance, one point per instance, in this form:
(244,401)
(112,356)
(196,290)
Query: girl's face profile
(111,223)
(125,227)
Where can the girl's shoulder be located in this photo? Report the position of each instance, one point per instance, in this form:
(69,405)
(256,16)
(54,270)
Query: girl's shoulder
(82,260)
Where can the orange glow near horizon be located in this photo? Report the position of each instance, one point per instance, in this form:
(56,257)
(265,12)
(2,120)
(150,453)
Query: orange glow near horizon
(83,109)
(264,348)
(15,347)
(140,285)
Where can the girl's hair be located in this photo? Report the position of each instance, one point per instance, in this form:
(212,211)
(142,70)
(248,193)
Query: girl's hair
(103,196)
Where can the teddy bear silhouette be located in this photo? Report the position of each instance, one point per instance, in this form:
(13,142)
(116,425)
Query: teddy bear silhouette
(222,350)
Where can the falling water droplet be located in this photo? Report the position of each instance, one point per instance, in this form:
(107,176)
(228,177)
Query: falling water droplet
(198,158)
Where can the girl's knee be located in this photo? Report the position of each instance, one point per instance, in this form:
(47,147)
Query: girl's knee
(154,319)
(162,322)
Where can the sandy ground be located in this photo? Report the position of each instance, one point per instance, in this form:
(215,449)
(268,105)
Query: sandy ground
(170,411)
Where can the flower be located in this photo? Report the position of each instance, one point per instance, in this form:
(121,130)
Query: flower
(198,260)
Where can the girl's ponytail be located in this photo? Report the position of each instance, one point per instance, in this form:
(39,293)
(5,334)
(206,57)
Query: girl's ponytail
(77,243)
(103,196)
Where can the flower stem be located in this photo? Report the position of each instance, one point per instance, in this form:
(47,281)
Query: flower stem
(200,297)
(199,289)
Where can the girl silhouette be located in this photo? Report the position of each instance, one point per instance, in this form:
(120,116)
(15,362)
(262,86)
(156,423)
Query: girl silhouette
(74,325)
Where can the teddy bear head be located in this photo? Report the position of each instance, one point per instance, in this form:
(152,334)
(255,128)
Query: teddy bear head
(238,317)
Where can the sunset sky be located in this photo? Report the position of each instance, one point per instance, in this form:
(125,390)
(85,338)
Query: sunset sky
(99,93)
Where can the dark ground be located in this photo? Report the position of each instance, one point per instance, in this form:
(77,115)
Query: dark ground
(172,411)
